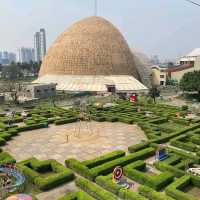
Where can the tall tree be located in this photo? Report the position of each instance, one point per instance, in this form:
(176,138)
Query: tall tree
(190,82)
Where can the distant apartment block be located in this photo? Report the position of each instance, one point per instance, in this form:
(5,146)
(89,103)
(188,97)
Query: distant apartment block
(40,45)
(26,55)
(7,58)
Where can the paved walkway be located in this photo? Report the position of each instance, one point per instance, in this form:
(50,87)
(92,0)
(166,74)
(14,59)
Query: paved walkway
(58,192)
(66,141)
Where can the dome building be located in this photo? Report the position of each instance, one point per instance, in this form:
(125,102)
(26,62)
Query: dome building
(91,55)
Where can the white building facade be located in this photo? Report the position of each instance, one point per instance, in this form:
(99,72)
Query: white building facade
(26,55)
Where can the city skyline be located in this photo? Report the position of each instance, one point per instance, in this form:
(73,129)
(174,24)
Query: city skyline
(138,21)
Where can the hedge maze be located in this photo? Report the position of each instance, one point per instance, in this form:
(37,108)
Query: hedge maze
(152,179)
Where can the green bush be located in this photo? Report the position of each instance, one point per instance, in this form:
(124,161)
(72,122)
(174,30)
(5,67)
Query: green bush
(108,167)
(184,145)
(185,155)
(138,147)
(65,120)
(166,138)
(80,195)
(107,183)
(159,120)
(162,166)
(94,190)
(174,190)
(78,167)
(130,195)
(6,158)
(32,127)
(152,194)
(184,107)
(136,170)
(34,170)
(2,141)
(104,158)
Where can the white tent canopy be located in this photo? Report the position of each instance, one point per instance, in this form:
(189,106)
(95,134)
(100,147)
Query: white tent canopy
(88,83)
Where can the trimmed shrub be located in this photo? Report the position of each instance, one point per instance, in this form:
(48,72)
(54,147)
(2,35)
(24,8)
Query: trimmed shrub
(174,190)
(6,158)
(32,127)
(184,145)
(166,138)
(33,170)
(159,120)
(152,194)
(162,166)
(138,147)
(78,167)
(94,190)
(104,158)
(108,167)
(80,195)
(135,171)
(130,195)
(2,141)
(185,155)
(65,121)
(107,183)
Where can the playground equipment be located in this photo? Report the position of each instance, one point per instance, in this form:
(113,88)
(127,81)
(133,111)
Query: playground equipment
(194,171)
(11,180)
(83,116)
(161,153)
(20,197)
(118,178)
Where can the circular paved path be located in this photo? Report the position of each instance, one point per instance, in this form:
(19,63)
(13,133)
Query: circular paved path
(66,141)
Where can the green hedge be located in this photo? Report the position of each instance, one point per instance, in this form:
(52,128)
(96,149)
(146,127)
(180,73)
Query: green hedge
(6,158)
(108,167)
(35,170)
(174,190)
(135,171)
(159,120)
(65,120)
(195,139)
(130,195)
(2,141)
(185,155)
(152,194)
(79,168)
(162,166)
(32,127)
(80,195)
(103,159)
(107,183)
(94,190)
(184,145)
(166,138)
(138,147)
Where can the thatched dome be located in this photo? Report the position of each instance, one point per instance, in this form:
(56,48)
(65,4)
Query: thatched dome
(92,46)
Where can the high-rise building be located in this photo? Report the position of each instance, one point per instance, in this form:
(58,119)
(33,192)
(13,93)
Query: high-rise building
(11,57)
(40,45)
(7,58)
(26,55)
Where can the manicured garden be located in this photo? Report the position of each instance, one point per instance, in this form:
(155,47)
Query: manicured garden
(168,180)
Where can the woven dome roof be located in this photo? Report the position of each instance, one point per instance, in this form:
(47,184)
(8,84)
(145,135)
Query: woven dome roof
(92,46)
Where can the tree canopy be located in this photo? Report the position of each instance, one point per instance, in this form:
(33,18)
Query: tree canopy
(191,82)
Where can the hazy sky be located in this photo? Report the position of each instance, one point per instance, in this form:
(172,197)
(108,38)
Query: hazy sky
(168,28)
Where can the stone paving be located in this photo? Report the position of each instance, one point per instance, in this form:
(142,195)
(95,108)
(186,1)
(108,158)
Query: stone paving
(58,192)
(82,141)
